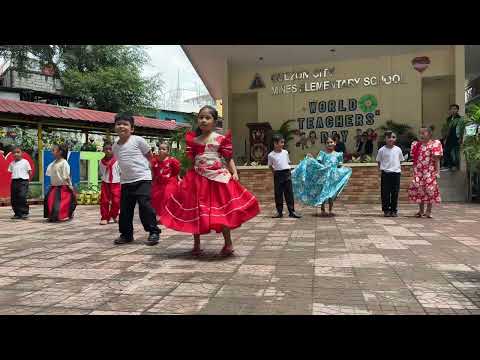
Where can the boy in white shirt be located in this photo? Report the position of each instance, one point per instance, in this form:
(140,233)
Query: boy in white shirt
(133,155)
(279,163)
(389,160)
(21,175)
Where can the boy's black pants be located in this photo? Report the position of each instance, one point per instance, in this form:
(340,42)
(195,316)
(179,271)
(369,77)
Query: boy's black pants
(282,181)
(18,197)
(390,188)
(139,191)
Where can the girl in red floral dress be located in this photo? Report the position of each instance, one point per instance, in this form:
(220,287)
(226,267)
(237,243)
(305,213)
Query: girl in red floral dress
(165,170)
(209,196)
(426,155)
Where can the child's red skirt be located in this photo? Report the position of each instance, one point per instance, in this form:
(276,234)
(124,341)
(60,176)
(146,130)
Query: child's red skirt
(59,204)
(201,205)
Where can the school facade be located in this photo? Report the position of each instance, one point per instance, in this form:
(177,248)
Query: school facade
(343,89)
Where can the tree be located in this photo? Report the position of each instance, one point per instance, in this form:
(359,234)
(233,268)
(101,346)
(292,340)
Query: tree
(100,77)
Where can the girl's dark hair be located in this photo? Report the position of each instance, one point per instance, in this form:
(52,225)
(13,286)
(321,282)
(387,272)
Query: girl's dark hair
(428,128)
(63,150)
(163,143)
(212,112)
(277,138)
(125,117)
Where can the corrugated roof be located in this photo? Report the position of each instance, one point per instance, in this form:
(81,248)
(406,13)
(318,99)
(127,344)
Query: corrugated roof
(59,112)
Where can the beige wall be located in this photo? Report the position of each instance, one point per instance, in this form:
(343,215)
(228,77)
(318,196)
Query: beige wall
(243,110)
(400,103)
(437,92)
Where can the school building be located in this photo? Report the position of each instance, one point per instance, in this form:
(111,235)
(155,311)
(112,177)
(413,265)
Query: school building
(328,89)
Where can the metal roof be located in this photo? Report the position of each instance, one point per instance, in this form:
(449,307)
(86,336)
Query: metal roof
(31,109)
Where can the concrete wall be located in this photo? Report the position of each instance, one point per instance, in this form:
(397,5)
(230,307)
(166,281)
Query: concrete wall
(363,187)
(35,81)
(401,102)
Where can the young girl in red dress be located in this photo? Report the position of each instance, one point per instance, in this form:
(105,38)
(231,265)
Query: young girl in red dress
(424,189)
(209,196)
(165,170)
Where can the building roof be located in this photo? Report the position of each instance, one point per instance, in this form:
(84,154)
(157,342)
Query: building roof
(212,62)
(31,109)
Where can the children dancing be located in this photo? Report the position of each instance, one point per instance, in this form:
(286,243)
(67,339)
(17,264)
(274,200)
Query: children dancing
(321,180)
(110,189)
(21,175)
(165,170)
(210,196)
(133,155)
(60,202)
(279,163)
(389,160)
(426,155)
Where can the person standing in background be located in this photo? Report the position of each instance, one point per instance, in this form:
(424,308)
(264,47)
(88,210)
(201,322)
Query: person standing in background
(452,133)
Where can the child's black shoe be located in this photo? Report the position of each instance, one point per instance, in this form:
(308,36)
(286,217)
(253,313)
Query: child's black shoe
(294,215)
(153,239)
(278,216)
(123,240)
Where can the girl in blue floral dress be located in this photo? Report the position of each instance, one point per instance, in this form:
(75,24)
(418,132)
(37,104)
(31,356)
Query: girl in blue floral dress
(321,180)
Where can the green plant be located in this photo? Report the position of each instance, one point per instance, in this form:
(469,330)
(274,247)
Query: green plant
(404,132)
(35,191)
(179,152)
(471,144)
(286,131)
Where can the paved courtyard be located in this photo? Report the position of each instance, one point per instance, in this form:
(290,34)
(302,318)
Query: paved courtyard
(356,263)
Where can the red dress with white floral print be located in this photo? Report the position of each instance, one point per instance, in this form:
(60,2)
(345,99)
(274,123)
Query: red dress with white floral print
(424,186)
(164,181)
(208,198)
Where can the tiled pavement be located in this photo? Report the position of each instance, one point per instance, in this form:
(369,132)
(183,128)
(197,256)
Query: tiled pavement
(355,263)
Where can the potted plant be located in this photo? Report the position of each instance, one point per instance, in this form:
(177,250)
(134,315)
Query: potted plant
(405,135)
(287,132)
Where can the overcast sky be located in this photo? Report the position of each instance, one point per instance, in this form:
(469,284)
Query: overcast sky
(171,62)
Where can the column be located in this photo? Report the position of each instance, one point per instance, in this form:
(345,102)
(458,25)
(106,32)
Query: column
(226,96)
(459,71)
(40,154)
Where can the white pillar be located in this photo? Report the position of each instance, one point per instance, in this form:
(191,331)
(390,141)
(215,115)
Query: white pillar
(226,96)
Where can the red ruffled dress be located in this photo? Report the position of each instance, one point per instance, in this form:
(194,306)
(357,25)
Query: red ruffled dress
(165,181)
(208,198)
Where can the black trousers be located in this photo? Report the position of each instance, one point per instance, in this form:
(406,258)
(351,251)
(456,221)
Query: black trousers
(390,189)
(18,197)
(139,191)
(282,181)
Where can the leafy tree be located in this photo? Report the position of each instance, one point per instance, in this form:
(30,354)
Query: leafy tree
(100,77)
